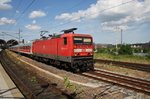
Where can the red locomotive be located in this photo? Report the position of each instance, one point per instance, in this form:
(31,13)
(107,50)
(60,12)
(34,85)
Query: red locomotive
(69,50)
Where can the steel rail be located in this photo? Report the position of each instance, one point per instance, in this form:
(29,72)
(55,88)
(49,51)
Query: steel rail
(139,85)
(135,66)
(142,81)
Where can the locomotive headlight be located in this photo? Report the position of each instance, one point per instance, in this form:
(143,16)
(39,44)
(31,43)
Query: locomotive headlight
(77,50)
(89,50)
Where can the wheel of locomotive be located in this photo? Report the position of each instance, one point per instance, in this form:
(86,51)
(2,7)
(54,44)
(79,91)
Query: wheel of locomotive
(57,64)
(50,62)
(75,68)
(65,66)
(83,68)
(92,68)
(61,65)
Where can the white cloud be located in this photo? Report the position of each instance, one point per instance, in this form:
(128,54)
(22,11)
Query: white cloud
(36,14)
(114,28)
(4,21)
(112,13)
(93,11)
(4,5)
(72,17)
(33,27)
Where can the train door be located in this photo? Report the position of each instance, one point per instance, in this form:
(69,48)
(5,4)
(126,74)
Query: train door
(63,49)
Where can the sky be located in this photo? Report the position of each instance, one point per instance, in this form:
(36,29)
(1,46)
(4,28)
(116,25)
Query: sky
(103,19)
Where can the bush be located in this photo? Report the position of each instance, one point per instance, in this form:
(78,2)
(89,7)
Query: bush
(137,50)
(103,50)
(148,56)
(125,50)
(145,50)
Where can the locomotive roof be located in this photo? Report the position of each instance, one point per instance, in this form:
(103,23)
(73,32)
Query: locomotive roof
(70,34)
(63,35)
(69,30)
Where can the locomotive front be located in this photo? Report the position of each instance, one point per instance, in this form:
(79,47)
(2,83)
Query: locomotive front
(82,57)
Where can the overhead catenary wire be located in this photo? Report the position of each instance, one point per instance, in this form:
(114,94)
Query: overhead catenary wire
(22,13)
(9,35)
(77,4)
(68,22)
(18,18)
(16,9)
(27,7)
(70,8)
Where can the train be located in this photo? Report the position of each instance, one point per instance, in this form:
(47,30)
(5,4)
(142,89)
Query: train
(68,50)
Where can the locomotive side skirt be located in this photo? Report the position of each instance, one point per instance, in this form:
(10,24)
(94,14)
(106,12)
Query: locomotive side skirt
(76,62)
(64,58)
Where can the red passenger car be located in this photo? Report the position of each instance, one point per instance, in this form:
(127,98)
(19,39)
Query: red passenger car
(22,48)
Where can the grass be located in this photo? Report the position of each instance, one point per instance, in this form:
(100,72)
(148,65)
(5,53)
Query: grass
(126,58)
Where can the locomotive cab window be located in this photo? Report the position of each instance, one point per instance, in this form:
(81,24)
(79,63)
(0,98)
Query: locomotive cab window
(87,40)
(78,40)
(83,40)
(65,40)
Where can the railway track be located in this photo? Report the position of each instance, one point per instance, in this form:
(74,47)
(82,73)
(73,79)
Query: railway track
(31,86)
(22,87)
(136,84)
(135,66)
(125,81)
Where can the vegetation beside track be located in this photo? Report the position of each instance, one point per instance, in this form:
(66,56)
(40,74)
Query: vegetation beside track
(126,58)
(124,53)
